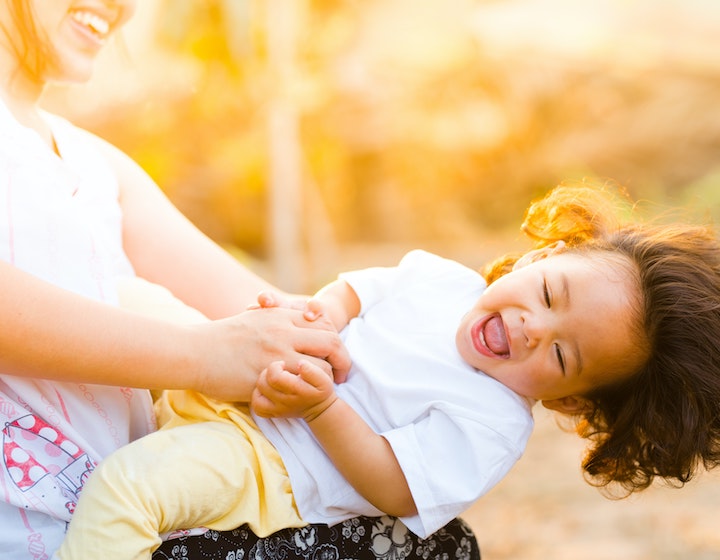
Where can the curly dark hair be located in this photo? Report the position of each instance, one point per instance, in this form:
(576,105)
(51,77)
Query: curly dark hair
(664,420)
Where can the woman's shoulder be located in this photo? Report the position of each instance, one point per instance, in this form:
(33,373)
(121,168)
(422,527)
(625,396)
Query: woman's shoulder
(67,134)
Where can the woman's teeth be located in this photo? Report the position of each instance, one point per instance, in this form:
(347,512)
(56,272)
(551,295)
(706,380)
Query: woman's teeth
(95,23)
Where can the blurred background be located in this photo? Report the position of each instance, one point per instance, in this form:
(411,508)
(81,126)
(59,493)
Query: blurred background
(312,136)
(300,132)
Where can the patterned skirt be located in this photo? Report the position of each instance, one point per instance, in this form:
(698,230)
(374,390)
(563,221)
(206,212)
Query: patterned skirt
(360,538)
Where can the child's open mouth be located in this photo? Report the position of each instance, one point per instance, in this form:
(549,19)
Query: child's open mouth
(489,337)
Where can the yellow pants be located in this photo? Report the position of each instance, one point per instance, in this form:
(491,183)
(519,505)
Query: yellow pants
(209,465)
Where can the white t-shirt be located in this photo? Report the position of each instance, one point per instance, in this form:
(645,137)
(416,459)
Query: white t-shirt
(455,431)
(60,220)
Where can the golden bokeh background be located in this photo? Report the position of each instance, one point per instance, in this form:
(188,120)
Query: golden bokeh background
(297,130)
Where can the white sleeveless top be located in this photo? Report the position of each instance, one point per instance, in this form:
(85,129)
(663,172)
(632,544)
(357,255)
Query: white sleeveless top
(60,220)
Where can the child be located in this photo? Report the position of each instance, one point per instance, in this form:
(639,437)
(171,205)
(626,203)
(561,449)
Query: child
(606,322)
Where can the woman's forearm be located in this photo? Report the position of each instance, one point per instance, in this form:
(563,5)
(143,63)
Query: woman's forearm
(54,334)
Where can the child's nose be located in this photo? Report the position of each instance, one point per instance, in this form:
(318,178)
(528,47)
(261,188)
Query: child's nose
(533,330)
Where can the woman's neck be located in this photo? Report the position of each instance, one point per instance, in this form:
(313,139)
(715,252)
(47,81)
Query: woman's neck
(25,108)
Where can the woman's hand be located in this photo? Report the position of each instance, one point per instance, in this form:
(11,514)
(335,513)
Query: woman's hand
(337,303)
(240,347)
(303,392)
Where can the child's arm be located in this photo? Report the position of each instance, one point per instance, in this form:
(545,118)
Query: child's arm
(362,456)
(337,300)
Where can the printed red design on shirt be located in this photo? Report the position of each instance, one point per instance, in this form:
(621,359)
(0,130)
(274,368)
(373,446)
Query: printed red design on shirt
(32,450)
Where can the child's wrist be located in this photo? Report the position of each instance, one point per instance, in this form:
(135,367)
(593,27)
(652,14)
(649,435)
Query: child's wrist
(314,412)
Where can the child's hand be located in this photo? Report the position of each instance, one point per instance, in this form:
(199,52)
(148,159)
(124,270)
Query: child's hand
(315,308)
(270,298)
(305,394)
(314,311)
(312,308)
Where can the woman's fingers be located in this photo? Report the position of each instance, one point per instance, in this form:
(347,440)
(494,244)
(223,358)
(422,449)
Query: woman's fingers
(319,339)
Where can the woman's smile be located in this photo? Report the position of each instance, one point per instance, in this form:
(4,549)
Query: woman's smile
(91,25)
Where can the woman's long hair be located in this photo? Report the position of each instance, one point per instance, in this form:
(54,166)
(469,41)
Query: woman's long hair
(32,50)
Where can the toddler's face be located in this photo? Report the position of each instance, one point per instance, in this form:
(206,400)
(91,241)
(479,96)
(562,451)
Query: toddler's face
(557,327)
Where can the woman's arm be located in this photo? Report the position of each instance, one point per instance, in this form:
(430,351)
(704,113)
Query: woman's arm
(51,333)
(167,249)
(362,456)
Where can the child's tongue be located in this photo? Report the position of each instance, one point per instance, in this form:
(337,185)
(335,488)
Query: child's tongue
(494,335)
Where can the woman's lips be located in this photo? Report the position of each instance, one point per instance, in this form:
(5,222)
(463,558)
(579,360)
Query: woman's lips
(93,28)
(489,337)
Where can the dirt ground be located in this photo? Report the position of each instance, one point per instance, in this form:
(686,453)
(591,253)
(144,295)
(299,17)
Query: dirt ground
(544,510)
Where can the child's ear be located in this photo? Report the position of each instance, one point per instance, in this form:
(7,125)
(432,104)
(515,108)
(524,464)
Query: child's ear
(573,404)
(539,254)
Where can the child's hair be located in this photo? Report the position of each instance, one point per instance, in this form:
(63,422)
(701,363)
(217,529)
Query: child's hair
(663,421)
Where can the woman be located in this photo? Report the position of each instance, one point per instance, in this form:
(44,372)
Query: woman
(76,215)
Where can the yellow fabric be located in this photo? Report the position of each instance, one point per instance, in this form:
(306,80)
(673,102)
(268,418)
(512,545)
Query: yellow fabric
(274,507)
(209,465)
(153,300)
